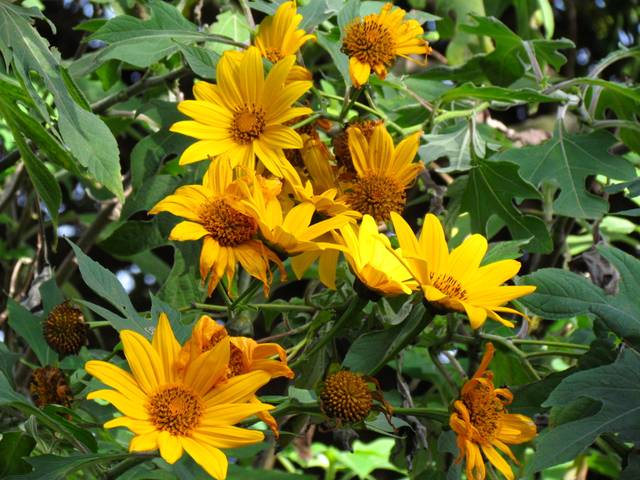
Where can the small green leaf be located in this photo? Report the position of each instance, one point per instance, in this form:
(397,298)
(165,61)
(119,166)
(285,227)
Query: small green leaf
(52,467)
(106,285)
(497,94)
(14,446)
(29,327)
(201,60)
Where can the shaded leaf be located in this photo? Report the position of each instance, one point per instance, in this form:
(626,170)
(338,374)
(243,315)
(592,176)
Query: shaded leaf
(13,447)
(29,327)
(491,190)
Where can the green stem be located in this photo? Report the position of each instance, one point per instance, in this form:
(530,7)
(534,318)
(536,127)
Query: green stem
(510,346)
(433,413)
(461,113)
(368,109)
(525,341)
(558,353)
(212,308)
(125,465)
(354,308)
(248,293)
(346,106)
(281,307)
(451,385)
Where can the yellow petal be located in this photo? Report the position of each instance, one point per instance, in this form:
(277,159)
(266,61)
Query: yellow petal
(359,72)
(236,390)
(210,458)
(143,360)
(477,315)
(203,150)
(116,378)
(130,408)
(187,231)
(497,461)
(232,413)
(515,428)
(145,442)
(227,437)
(165,344)
(139,427)
(208,368)
(170,447)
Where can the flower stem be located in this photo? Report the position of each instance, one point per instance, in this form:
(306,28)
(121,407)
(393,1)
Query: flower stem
(353,311)
(125,465)
(433,413)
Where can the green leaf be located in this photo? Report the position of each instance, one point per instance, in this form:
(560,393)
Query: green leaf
(13,447)
(616,387)
(231,24)
(8,360)
(201,60)
(52,467)
(247,473)
(497,94)
(183,287)
(330,41)
(505,64)
(386,343)
(107,286)
(510,250)
(29,327)
(491,189)
(43,180)
(566,161)
(455,144)
(133,237)
(561,294)
(85,134)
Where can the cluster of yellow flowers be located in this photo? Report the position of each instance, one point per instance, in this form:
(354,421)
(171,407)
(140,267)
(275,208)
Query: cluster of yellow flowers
(274,190)
(188,397)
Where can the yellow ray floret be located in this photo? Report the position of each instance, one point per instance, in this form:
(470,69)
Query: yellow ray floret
(213,211)
(372,261)
(456,280)
(246,356)
(174,412)
(244,114)
(383,171)
(372,43)
(279,35)
(484,427)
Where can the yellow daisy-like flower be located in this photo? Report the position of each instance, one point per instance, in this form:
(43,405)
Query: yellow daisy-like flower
(244,114)
(482,424)
(279,35)
(246,355)
(374,42)
(179,411)
(456,280)
(293,232)
(213,211)
(383,171)
(374,263)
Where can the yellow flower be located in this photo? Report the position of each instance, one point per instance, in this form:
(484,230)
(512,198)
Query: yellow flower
(374,42)
(213,211)
(456,280)
(246,355)
(290,233)
(243,115)
(279,36)
(481,423)
(176,411)
(374,263)
(383,171)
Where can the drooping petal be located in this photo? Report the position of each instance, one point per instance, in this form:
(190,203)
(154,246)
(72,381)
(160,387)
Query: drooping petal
(210,458)
(170,447)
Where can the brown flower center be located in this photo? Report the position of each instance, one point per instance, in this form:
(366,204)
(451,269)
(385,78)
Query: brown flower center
(485,410)
(175,409)
(449,285)
(346,396)
(64,329)
(48,385)
(226,225)
(370,42)
(273,54)
(248,124)
(377,195)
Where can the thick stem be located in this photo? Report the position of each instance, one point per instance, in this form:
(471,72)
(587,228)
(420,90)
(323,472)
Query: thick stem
(125,465)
